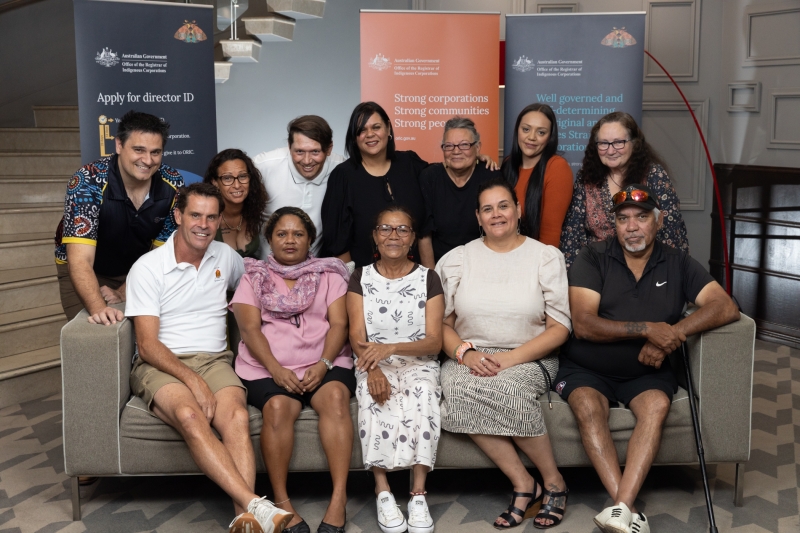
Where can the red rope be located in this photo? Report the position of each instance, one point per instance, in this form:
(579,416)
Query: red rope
(713,175)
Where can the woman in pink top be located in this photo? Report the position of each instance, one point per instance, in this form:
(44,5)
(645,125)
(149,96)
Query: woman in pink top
(293,320)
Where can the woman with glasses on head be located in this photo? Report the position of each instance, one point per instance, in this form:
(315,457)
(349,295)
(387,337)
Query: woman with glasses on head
(237,178)
(293,319)
(541,178)
(396,310)
(450,189)
(375,176)
(617,155)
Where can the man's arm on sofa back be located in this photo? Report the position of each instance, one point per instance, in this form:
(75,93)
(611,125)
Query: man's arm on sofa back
(96,369)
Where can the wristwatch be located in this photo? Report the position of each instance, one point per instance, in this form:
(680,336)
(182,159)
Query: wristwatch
(328,364)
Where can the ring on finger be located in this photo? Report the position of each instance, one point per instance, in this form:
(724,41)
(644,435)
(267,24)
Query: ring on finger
(483,359)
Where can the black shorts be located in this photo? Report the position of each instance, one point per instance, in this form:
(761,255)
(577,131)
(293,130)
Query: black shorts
(618,390)
(260,391)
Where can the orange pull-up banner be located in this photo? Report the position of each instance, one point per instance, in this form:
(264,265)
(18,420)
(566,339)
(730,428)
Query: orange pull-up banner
(425,67)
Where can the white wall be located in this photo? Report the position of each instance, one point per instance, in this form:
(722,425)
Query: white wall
(317,73)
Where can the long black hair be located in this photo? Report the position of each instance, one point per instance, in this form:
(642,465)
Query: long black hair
(532,216)
(358,119)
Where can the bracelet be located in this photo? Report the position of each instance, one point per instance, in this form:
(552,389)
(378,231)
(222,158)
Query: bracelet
(462,349)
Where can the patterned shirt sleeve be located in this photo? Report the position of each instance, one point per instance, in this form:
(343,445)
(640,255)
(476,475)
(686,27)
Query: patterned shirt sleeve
(82,203)
(573,233)
(673,232)
(175,180)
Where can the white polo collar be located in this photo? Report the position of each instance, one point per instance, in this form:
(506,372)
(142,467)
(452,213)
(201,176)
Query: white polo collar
(170,263)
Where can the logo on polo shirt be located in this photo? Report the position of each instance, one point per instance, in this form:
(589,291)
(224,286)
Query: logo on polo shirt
(660,284)
(217,275)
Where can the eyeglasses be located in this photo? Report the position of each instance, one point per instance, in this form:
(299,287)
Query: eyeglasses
(227,179)
(636,195)
(463,146)
(384,230)
(602,146)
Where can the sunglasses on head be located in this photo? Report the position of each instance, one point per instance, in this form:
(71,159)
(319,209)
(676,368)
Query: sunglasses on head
(636,195)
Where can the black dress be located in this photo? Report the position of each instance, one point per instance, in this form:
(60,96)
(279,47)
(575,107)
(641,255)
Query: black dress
(450,210)
(354,198)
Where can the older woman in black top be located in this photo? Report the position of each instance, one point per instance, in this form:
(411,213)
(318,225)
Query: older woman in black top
(375,176)
(450,190)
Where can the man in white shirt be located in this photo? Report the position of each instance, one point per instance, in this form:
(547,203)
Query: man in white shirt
(297,176)
(176,298)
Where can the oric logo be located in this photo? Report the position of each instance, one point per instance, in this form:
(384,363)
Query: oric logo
(523,64)
(618,38)
(190,32)
(380,62)
(107,58)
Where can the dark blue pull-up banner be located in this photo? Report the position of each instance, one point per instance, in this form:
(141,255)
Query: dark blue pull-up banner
(584,66)
(154,57)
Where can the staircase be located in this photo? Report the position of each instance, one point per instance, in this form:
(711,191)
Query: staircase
(276,25)
(35,165)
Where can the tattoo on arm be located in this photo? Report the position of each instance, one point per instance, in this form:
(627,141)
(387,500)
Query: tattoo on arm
(635,328)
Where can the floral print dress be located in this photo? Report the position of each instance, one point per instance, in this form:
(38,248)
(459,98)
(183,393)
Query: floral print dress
(589,217)
(404,431)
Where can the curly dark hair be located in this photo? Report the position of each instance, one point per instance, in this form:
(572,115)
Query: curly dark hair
(643,156)
(144,123)
(532,217)
(256,200)
(308,224)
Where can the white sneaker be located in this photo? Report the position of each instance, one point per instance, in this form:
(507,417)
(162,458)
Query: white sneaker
(269,517)
(620,521)
(390,518)
(419,518)
(245,523)
(601,519)
(639,524)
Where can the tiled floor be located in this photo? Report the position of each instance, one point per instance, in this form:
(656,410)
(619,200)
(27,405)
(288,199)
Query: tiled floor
(35,495)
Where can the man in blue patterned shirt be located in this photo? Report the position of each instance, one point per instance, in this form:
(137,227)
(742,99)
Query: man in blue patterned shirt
(116,209)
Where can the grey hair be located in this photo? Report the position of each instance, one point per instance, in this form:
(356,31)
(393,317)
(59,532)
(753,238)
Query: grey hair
(656,213)
(461,123)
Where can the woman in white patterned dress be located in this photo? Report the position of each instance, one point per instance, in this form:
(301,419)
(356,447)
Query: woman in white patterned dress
(396,310)
(507,312)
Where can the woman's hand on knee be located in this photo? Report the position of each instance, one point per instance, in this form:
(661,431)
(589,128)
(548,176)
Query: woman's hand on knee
(372,354)
(379,387)
(481,363)
(287,379)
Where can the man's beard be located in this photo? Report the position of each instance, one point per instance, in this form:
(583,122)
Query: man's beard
(635,248)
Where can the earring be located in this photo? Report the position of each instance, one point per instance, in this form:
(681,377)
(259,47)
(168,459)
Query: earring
(390,135)
(519,223)
(480,232)
(376,255)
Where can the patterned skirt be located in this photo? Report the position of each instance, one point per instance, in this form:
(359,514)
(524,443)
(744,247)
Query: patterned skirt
(506,404)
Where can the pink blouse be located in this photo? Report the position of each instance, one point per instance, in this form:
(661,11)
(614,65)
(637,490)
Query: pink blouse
(294,347)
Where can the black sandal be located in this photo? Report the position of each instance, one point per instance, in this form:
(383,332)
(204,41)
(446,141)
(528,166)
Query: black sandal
(324,527)
(300,527)
(530,510)
(546,511)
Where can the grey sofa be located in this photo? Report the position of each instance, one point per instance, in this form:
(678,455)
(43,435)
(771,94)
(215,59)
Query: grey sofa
(108,433)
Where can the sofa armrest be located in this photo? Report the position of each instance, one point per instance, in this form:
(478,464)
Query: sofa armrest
(95,370)
(722,372)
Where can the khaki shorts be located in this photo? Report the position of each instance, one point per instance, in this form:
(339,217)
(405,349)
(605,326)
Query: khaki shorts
(214,368)
(69,298)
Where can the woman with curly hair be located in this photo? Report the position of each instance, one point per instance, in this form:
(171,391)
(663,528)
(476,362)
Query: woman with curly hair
(617,155)
(237,178)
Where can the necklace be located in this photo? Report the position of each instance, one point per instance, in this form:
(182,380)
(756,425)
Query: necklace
(237,228)
(615,181)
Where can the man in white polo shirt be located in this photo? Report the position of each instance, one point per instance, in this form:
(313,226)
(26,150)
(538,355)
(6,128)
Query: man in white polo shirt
(297,176)
(177,301)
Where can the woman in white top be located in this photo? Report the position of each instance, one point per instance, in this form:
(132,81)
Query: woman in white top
(396,310)
(507,311)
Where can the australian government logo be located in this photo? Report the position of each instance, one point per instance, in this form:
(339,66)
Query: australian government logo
(380,62)
(523,64)
(107,58)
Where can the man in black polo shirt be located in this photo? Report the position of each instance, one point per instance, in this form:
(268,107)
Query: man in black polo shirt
(115,210)
(627,296)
